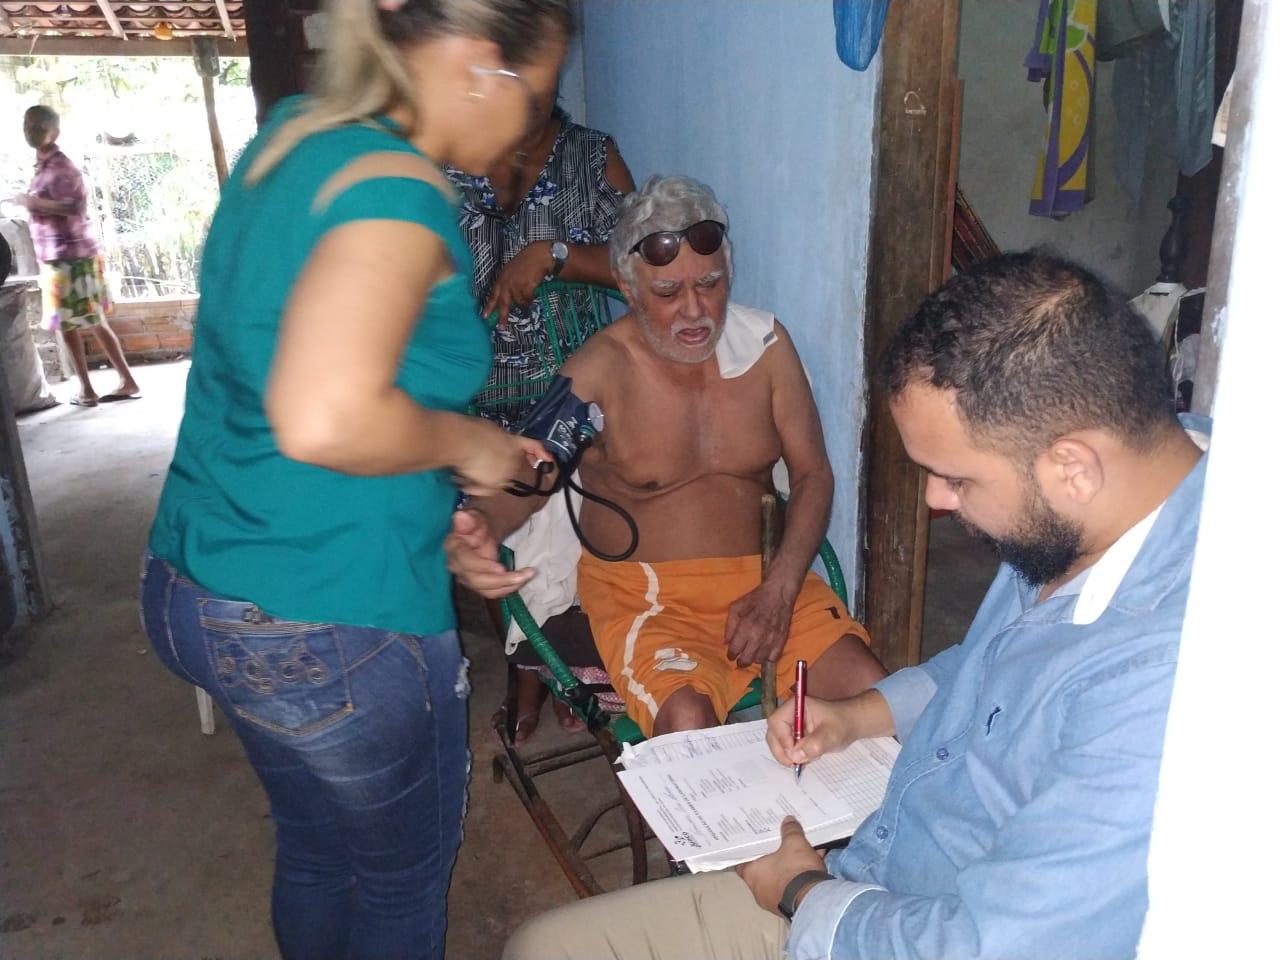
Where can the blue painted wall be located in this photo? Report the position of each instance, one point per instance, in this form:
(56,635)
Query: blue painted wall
(750,97)
(573,90)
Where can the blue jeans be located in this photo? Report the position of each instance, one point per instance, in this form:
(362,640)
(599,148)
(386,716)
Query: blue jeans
(360,739)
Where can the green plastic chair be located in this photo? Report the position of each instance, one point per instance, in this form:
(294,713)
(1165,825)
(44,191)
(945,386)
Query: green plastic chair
(583,311)
(569,689)
(610,730)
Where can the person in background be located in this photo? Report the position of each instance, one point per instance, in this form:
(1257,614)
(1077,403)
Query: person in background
(546,212)
(75,290)
(295,567)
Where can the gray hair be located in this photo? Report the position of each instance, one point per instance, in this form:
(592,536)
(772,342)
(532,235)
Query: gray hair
(663,203)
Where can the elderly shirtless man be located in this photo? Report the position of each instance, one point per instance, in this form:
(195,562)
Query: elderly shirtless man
(693,428)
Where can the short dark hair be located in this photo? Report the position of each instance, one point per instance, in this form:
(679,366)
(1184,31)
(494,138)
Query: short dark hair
(46,117)
(1034,347)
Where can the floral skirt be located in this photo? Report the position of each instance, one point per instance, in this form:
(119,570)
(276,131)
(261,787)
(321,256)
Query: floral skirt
(75,294)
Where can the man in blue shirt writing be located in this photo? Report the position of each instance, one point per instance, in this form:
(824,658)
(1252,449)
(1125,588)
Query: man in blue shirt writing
(1018,815)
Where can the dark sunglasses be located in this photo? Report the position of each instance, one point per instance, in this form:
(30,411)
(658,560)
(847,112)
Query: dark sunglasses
(659,249)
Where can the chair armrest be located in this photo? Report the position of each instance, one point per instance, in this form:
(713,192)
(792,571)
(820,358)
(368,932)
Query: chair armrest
(567,687)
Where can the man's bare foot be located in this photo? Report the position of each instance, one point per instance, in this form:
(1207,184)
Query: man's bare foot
(526,724)
(529,696)
(569,720)
(125,390)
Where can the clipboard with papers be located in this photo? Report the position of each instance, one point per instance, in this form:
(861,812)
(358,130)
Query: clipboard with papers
(716,797)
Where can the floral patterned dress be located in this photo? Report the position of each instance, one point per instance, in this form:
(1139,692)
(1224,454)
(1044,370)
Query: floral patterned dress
(570,201)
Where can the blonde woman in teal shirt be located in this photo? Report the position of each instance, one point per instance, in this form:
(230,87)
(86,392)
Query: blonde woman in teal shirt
(296,569)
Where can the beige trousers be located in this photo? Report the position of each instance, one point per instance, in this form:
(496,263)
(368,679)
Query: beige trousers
(707,916)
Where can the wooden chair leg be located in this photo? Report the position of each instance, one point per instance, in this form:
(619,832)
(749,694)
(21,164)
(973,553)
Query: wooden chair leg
(768,542)
(508,763)
(635,831)
(506,713)
(494,609)
(635,823)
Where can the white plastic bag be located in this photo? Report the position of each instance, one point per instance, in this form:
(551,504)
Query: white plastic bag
(28,389)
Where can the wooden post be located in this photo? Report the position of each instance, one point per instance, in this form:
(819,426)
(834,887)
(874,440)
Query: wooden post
(1173,246)
(910,229)
(1213,194)
(205,53)
(112,20)
(215,134)
(277,52)
(227,30)
(24,592)
(768,544)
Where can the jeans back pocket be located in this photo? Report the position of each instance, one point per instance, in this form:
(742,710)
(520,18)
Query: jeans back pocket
(288,676)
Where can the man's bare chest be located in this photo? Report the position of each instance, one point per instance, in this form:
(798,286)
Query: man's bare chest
(659,436)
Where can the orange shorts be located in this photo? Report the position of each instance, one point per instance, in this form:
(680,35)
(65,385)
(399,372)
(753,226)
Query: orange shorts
(660,627)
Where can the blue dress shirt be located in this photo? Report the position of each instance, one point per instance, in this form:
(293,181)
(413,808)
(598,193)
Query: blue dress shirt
(1018,815)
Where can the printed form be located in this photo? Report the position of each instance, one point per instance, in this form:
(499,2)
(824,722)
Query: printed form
(716,797)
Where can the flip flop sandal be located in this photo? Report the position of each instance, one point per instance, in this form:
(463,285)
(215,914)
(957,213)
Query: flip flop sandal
(117,397)
(83,402)
(569,721)
(526,727)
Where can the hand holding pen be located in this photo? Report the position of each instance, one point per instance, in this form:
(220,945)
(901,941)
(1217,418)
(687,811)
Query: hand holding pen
(797,725)
(826,726)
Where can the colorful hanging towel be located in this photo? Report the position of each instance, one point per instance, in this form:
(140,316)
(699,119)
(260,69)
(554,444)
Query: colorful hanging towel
(1063,57)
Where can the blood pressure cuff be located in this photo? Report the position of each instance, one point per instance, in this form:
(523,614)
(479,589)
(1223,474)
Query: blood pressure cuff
(562,422)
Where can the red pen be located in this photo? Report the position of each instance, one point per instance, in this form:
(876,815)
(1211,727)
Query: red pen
(797,728)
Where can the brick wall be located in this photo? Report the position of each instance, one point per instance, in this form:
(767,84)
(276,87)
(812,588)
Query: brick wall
(151,329)
(148,330)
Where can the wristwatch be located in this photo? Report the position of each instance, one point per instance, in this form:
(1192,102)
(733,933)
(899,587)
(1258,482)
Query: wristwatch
(799,883)
(559,257)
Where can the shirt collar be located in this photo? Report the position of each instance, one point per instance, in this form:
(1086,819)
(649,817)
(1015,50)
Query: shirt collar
(1096,586)
(54,154)
(1099,583)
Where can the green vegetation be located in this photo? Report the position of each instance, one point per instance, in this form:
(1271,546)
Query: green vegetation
(137,128)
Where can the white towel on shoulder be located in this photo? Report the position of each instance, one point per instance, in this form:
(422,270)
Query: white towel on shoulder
(747,334)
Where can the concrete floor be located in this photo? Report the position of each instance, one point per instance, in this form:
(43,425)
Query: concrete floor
(125,833)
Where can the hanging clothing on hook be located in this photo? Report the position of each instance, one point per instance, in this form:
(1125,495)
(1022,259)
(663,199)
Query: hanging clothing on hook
(1062,57)
(1163,90)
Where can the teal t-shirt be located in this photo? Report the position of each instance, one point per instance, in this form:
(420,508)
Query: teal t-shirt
(236,515)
